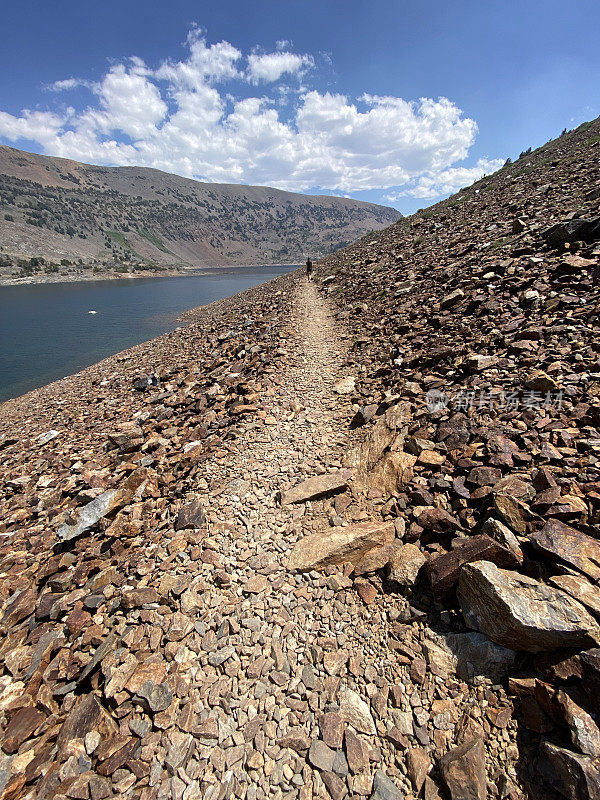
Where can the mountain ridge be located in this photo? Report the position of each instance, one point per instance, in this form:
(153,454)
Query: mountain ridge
(138,218)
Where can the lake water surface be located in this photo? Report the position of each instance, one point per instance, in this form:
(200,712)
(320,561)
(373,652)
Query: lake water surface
(46,331)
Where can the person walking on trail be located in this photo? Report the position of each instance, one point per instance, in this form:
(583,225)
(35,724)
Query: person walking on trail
(309,269)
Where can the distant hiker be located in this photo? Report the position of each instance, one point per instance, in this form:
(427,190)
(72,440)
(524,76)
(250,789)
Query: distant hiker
(309,269)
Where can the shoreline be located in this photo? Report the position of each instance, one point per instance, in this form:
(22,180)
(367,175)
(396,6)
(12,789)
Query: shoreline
(53,278)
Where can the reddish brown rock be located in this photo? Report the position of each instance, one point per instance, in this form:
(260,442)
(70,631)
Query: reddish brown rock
(565,544)
(444,570)
(463,771)
(574,776)
(21,727)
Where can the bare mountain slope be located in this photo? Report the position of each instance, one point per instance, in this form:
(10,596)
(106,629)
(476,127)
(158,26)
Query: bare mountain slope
(60,209)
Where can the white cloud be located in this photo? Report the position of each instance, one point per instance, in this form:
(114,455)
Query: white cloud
(129,102)
(271,66)
(179,117)
(448,181)
(39,126)
(65,85)
(205,64)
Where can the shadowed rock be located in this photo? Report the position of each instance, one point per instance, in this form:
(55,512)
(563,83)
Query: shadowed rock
(521,613)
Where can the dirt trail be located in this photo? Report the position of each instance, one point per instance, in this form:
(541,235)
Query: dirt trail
(289,641)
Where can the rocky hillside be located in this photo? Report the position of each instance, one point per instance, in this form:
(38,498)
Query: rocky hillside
(133,217)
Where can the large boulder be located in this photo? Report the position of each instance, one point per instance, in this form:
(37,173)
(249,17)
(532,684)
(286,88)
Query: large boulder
(521,613)
(562,543)
(392,472)
(471,655)
(339,545)
(575,776)
(385,438)
(584,230)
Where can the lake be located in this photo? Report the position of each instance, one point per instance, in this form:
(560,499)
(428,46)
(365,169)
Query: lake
(46,331)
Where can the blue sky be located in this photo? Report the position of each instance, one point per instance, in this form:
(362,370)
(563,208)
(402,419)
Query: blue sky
(396,102)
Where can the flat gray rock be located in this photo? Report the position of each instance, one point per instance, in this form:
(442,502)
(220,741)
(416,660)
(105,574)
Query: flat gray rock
(317,486)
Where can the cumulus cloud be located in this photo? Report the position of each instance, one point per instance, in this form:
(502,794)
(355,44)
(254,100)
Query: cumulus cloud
(448,181)
(66,85)
(271,66)
(200,117)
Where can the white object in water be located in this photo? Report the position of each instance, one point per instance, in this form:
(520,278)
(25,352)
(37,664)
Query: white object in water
(92,312)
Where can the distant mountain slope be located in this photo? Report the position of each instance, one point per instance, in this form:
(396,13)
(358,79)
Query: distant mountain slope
(60,209)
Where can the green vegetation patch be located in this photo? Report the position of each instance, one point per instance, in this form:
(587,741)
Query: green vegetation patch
(155,240)
(120,239)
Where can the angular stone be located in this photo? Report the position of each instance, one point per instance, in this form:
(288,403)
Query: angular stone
(585,734)
(128,437)
(479,363)
(338,545)
(516,514)
(19,606)
(335,785)
(135,598)
(384,788)
(521,613)
(405,564)
(258,584)
(355,711)
(581,589)
(376,559)
(575,776)
(437,519)
(418,765)
(332,729)
(366,590)
(356,753)
(190,515)
(590,679)
(156,696)
(392,472)
(444,570)
(90,514)
(463,770)
(321,756)
(431,458)
(451,299)
(472,655)
(564,543)
(296,739)
(317,486)
(345,385)
(21,726)
(88,715)
(539,381)
(504,536)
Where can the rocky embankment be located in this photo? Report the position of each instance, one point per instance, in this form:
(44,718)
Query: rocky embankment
(334,542)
